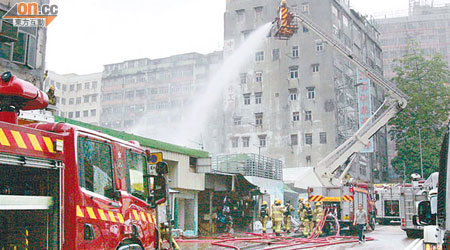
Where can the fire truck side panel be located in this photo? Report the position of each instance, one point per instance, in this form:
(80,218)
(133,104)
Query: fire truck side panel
(31,171)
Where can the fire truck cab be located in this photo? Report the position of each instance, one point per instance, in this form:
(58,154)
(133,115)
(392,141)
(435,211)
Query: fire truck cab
(67,187)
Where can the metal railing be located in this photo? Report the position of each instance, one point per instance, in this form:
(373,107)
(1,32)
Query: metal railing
(248,165)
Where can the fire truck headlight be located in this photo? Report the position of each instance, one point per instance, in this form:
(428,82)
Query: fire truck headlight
(58,145)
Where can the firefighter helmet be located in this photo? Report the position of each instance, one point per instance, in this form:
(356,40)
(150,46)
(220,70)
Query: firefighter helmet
(52,87)
(307,204)
(301,199)
(318,204)
(278,202)
(264,203)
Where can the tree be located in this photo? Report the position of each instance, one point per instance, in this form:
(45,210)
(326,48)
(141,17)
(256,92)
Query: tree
(425,80)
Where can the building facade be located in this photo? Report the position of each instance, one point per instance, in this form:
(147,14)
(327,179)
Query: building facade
(298,101)
(426,27)
(77,96)
(22,49)
(149,97)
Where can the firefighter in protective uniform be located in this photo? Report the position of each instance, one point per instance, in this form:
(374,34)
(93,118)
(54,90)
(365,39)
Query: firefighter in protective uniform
(308,219)
(318,214)
(301,206)
(277,216)
(288,216)
(264,216)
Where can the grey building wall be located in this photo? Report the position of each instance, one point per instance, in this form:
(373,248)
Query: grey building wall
(334,105)
(149,96)
(24,54)
(427,26)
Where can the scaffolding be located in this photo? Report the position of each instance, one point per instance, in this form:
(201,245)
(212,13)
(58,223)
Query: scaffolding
(248,165)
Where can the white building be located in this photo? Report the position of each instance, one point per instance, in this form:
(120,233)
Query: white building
(77,96)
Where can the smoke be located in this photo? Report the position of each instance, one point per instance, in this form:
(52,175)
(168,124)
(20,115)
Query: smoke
(195,119)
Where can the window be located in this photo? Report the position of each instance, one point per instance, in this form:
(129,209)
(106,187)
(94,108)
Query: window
(71,101)
(294,140)
(295,51)
(243,77)
(258,98)
(136,170)
(95,166)
(259,118)
(129,94)
(293,94)
(93,112)
(63,101)
(311,92)
(87,85)
(245,142)
(85,113)
(72,87)
(78,86)
(258,76)
(334,10)
(237,121)
(86,98)
(308,159)
(258,13)
(345,21)
(235,142)
(308,138)
(153,91)
(70,114)
(58,85)
(262,141)
(323,138)
(140,93)
(240,16)
(305,30)
(94,84)
(319,46)
(275,54)
(305,7)
(94,98)
(64,87)
(259,56)
(246,99)
(293,72)
(315,68)
(308,115)
(78,100)
(77,114)
(296,116)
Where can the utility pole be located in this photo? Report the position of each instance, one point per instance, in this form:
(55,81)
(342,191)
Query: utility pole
(421,161)
(404,173)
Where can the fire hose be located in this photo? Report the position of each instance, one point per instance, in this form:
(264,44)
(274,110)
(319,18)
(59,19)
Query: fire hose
(277,242)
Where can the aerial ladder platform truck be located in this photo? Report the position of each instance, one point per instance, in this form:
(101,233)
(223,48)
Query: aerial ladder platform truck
(338,195)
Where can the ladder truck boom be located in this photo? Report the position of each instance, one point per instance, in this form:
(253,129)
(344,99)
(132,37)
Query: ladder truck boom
(326,168)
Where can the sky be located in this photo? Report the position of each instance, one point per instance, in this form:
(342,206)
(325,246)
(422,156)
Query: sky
(88,34)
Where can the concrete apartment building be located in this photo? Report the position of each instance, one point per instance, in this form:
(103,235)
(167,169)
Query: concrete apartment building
(77,96)
(426,24)
(148,96)
(22,49)
(298,101)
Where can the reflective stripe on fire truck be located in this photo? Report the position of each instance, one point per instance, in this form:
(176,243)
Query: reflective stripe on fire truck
(347,198)
(12,138)
(335,199)
(100,214)
(315,197)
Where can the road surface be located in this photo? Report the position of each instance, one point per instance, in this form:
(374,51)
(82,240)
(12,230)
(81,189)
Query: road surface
(385,237)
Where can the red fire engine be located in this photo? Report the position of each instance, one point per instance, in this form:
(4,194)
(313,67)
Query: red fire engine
(67,187)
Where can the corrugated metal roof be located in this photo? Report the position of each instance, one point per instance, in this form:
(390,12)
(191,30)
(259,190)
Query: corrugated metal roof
(145,142)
